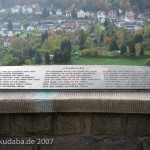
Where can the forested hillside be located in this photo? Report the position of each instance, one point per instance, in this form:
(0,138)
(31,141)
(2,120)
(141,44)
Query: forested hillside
(92,5)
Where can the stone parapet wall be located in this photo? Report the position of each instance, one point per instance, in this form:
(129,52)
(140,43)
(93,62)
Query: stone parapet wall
(77,131)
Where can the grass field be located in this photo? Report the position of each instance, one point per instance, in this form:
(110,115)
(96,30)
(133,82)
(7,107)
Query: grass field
(130,61)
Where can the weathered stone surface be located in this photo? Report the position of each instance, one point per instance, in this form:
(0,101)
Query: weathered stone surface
(69,124)
(138,125)
(69,143)
(33,123)
(121,144)
(146,144)
(4,124)
(107,125)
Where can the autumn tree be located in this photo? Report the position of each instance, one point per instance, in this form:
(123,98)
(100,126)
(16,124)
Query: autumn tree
(147,30)
(106,40)
(18,44)
(138,49)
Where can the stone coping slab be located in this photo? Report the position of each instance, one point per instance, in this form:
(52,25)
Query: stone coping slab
(45,101)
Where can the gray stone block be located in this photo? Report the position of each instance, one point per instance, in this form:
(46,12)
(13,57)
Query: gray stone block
(138,125)
(4,124)
(33,123)
(146,144)
(112,125)
(69,124)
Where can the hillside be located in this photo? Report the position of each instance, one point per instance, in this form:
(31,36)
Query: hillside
(92,5)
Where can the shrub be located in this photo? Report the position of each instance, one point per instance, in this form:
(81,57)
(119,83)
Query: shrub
(147,62)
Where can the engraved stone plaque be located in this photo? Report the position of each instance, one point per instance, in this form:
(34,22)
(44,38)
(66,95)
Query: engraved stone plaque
(74,77)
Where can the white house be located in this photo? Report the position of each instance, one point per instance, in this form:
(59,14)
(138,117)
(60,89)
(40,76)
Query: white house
(89,14)
(59,12)
(101,16)
(27,9)
(9,33)
(3,10)
(30,28)
(129,16)
(50,12)
(6,42)
(83,28)
(68,12)
(38,12)
(112,15)
(15,10)
(81,14)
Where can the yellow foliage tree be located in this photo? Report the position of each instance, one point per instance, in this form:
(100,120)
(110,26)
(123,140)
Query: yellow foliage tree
(138,49)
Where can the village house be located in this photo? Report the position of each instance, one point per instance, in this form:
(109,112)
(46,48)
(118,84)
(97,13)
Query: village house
(36,6)
(112,15)
(143,16)
(17,27)
(68,12)
(15,9)
(38,12)
(9,33)
(58,12)
(50,12)
(129,16)
(27,9)
(2,11)
(30,28)
(69,26)
(83,28)
(101,16)
(2,33)
(7,42)
(80,14)
(89,14)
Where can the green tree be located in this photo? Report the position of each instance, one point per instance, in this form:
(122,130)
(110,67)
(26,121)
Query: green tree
(47,58)
(31,52)
(38,58)
(9,60)
(138,38)
(101,39)
(113,45)
(18,54)
(123,49)
(132,48)
(89,43)
(10,25)
(74,13)
(45,13)
(81,39)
